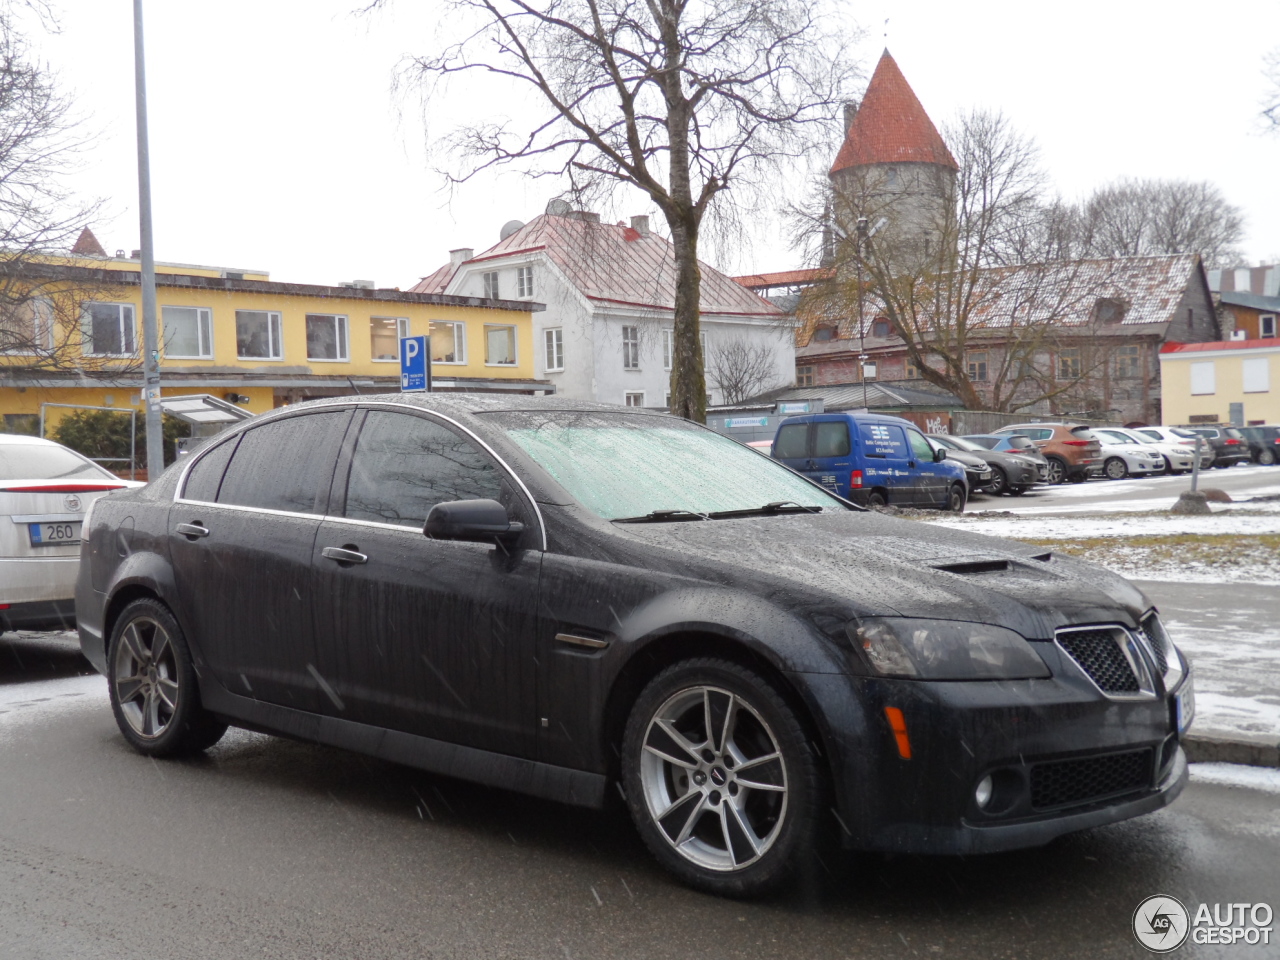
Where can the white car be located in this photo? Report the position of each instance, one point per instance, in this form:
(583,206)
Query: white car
(1123,456)
(1166,439)
(45,491)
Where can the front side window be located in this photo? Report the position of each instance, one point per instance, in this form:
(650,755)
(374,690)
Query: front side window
(285,464)
(978,367)
(491,285)
(621,465)
(630,348)
(554,341)
(109,330)
(404,465)
(920,448)
(258,335)
(524,282)
(326,337)
(635,399)
(27,326)
(448,342)
(187,332)
(385,334)
(1069,364)
(499,344)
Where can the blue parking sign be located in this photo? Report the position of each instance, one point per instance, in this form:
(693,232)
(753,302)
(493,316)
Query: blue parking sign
(415,370)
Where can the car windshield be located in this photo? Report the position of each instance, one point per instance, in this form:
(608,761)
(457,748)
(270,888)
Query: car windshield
(1111,437)
(38,461)
(623,465)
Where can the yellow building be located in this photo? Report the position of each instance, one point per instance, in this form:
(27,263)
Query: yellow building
(1226,381)
(74,336)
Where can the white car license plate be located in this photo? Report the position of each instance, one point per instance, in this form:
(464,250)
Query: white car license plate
(48,534)
(1184,707)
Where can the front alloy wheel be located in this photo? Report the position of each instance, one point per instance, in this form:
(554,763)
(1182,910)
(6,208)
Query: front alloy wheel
(999,482)
(1116,469)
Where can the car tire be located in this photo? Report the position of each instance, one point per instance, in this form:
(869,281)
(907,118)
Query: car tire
(956,499)
(152,683)
(697,815)
(1115,468)
(876,499)
(999,482)
(1266,457)
(1056,472)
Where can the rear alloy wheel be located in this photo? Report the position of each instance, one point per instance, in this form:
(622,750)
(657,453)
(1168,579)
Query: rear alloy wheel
(876,499)
(999,482)
(721,779)
(1115,468)
(956,498)
(152,684)
(1266,457)
(1057,471)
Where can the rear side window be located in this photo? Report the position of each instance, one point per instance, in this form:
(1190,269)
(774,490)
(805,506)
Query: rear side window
(790,442)
(206,476)
(831,439)
(883,440)
(286,464)
(404,465)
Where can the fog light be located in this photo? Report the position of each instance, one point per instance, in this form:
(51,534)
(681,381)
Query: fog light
(983,794)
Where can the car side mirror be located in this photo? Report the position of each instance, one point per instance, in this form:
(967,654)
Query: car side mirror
(939,455)
(477,521)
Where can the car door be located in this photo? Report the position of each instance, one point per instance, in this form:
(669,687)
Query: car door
(832,461)
(932,478)
(792,448)
(887,459)
(240,541)
(432,637)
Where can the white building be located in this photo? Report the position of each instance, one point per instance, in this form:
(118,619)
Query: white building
(609,290)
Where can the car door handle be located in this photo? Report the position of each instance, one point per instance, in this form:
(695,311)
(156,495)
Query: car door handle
(192,531)
(344,555)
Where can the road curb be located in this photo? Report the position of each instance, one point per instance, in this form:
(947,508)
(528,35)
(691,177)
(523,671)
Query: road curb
(1253,753)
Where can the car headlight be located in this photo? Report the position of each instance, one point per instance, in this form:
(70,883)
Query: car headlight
(945,650)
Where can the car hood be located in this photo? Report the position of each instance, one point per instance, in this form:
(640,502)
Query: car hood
(868,564)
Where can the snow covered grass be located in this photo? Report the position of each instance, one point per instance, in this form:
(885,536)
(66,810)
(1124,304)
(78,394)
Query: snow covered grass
(1236,660)
(1235,775)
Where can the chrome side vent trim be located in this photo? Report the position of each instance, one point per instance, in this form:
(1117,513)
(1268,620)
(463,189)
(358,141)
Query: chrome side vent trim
(1110,656)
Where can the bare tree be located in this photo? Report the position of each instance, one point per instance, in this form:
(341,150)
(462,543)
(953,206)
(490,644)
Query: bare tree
(683,101)
(1151,217)
(741,368)
(1271,100)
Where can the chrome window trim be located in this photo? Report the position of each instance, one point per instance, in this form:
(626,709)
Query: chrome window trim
(399,408)
(262,510)
(1133,649)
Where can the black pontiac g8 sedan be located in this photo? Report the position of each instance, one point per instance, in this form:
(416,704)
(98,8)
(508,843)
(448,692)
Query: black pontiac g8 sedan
(568,599)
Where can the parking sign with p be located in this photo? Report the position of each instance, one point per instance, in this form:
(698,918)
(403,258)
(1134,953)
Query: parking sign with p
(415,370)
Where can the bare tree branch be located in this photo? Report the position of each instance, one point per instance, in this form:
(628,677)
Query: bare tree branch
(740,368)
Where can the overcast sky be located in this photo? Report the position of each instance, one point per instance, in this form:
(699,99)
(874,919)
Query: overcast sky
(277,142)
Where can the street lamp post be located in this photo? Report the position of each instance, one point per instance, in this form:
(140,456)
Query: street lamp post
(150,334)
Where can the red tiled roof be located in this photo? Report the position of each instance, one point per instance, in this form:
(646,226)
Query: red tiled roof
(613,263)
(785,278)
(1269,342)
(891,125)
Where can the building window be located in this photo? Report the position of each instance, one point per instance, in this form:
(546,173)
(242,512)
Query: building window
(385,334)
(630,348)
(326,337)
(27,327)
(491,285)
(880,327)
(524,282)
(109,330)
(668,348)
(1069,364)
(1257,375)
(448,342)
(258,335)
(187,333)
(499,345)
(978,367)
(913,370)
(823,334)
(1108,310)
(1128,362)
(804,376)
(555,348)
(1267,326)
(635,399)
(1202,379)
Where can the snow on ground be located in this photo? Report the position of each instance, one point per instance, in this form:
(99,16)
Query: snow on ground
(1236,661)
(26,703)
(1236,775)
(1232,521)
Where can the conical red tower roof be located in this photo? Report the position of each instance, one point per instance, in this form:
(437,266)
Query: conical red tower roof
(891,125)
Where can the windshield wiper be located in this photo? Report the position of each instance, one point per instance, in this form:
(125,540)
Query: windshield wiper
(664,516)
(777,506)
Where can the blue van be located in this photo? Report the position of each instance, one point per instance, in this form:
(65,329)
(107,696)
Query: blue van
(871,459)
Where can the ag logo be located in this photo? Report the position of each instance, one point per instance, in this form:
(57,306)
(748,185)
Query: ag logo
(1161,923)
(72,501)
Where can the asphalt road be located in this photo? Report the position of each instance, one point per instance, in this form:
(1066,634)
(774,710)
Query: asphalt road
(270,848)
(1135,493)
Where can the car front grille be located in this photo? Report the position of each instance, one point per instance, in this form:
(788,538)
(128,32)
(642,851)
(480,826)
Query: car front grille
(1154,631)
(1063,783)
(1099,654)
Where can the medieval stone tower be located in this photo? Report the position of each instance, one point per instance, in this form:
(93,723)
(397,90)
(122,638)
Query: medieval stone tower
(895,170)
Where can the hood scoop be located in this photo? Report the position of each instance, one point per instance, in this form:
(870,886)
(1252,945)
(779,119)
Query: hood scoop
(974,566)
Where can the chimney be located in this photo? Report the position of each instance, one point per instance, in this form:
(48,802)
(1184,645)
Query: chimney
(850,112)
(640,225)
(461,255)
(585,215)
